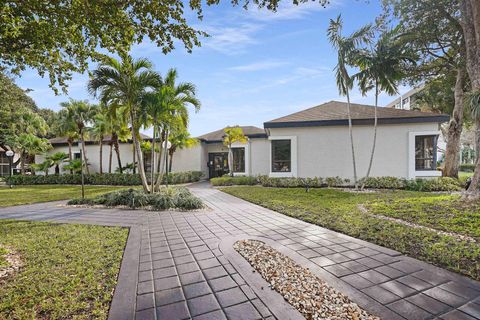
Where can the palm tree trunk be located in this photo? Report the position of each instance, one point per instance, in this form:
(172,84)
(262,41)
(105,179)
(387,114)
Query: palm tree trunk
(22,162)
(230,160)
(152,160)
(110,158)
(172,151)
(134,170)
(70,158)
(84,153)
(57,169)
(141,168)
(350,130)
(454,131)
(101,154)
(163,161)
(375,122)
(117,151)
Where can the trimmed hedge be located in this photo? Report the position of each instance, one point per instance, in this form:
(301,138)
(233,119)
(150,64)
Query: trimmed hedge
(166,198)
(435,184)
(467,167)
(233,181)
(120,179)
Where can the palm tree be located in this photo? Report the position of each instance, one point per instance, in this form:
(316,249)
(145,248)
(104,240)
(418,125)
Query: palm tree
(56,159)
(44,166)
(381,68)
(346,49)
(66,128)
(124,84)
(74,165)
(81,113)
(180,139)
(98,130)
(232,135)
(28,144)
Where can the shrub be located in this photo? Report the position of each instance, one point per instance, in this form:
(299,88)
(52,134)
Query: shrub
(467,167)
(437,184)
(316,182)
(119,179)
(383,182)
(166,198)
(231,181)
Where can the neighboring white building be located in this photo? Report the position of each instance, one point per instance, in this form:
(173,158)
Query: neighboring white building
(405,101)
(315,143)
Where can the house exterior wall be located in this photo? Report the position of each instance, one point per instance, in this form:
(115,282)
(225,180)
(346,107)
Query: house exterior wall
(188,159)
(259,157)
(93,156)
(325,151)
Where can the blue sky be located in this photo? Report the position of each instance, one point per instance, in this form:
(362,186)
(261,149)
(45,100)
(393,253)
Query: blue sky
(256,66)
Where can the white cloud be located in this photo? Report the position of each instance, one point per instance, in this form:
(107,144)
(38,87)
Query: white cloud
(230,40)
(257,66)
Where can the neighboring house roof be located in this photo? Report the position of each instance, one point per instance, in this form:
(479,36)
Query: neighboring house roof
(217,136)
(64,140)
(334,113)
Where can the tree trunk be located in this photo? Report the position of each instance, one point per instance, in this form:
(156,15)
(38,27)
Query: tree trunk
(136,144)
(375,122)
(163,167)
(110,158)
(84,153)
(152,160)
(117,151)
(230,160)
(134,170)
(70,157)
(101,155)
(350,130)
(57,169)
(470,12)
(454,131)
(22,162)
(172,151)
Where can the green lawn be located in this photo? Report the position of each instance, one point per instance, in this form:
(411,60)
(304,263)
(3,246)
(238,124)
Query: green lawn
(43,193)
(69,271)
(338,210)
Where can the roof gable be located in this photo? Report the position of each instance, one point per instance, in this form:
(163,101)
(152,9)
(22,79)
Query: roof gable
(249,131)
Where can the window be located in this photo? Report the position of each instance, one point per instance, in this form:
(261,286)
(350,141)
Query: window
(425,152)
(77,155)
(281,156)
(238,159)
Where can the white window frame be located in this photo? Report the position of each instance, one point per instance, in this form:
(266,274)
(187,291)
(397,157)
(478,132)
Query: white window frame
(247,157)
(412,172)
(293,157)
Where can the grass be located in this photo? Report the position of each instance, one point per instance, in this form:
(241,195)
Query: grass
(69,271)
(3,260)
(338,210)
(44,193)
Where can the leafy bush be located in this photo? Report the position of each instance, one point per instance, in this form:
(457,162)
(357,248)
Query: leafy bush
(467,167)
(119,179)
(231,181)
(316,182)
(437,184)
(383,182)
(166,198)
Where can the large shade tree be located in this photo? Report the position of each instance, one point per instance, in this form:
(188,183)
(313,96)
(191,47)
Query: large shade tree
(123,84)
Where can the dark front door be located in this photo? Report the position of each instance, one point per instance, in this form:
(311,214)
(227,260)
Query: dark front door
(217,164)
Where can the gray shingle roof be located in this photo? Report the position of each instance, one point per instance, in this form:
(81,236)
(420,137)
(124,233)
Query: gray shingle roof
(249,131)
(335,113)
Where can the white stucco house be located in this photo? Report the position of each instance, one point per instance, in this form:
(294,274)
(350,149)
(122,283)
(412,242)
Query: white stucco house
(315,143)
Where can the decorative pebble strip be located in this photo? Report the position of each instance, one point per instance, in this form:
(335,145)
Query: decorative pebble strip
(310,295)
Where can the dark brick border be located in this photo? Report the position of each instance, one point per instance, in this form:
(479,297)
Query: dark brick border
(125,296)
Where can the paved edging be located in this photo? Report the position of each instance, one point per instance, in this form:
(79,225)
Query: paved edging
(124,296)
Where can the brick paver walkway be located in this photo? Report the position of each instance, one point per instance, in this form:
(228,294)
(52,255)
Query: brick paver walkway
(179,266)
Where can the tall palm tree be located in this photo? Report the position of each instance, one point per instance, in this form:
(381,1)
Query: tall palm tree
(346,47)
(175,99)
(180,139)
(124,83)
(66,128)
(81,113)
(381,68)
(100,127)
(28,144)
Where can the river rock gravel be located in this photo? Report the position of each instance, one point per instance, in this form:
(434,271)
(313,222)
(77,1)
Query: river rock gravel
(310,295)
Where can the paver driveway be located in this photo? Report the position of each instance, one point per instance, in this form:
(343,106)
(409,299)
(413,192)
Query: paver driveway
(181,265)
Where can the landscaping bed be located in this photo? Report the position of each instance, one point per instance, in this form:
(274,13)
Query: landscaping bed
(33,194)
(68,271)
(338,210)
(307,293)
(166,198)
